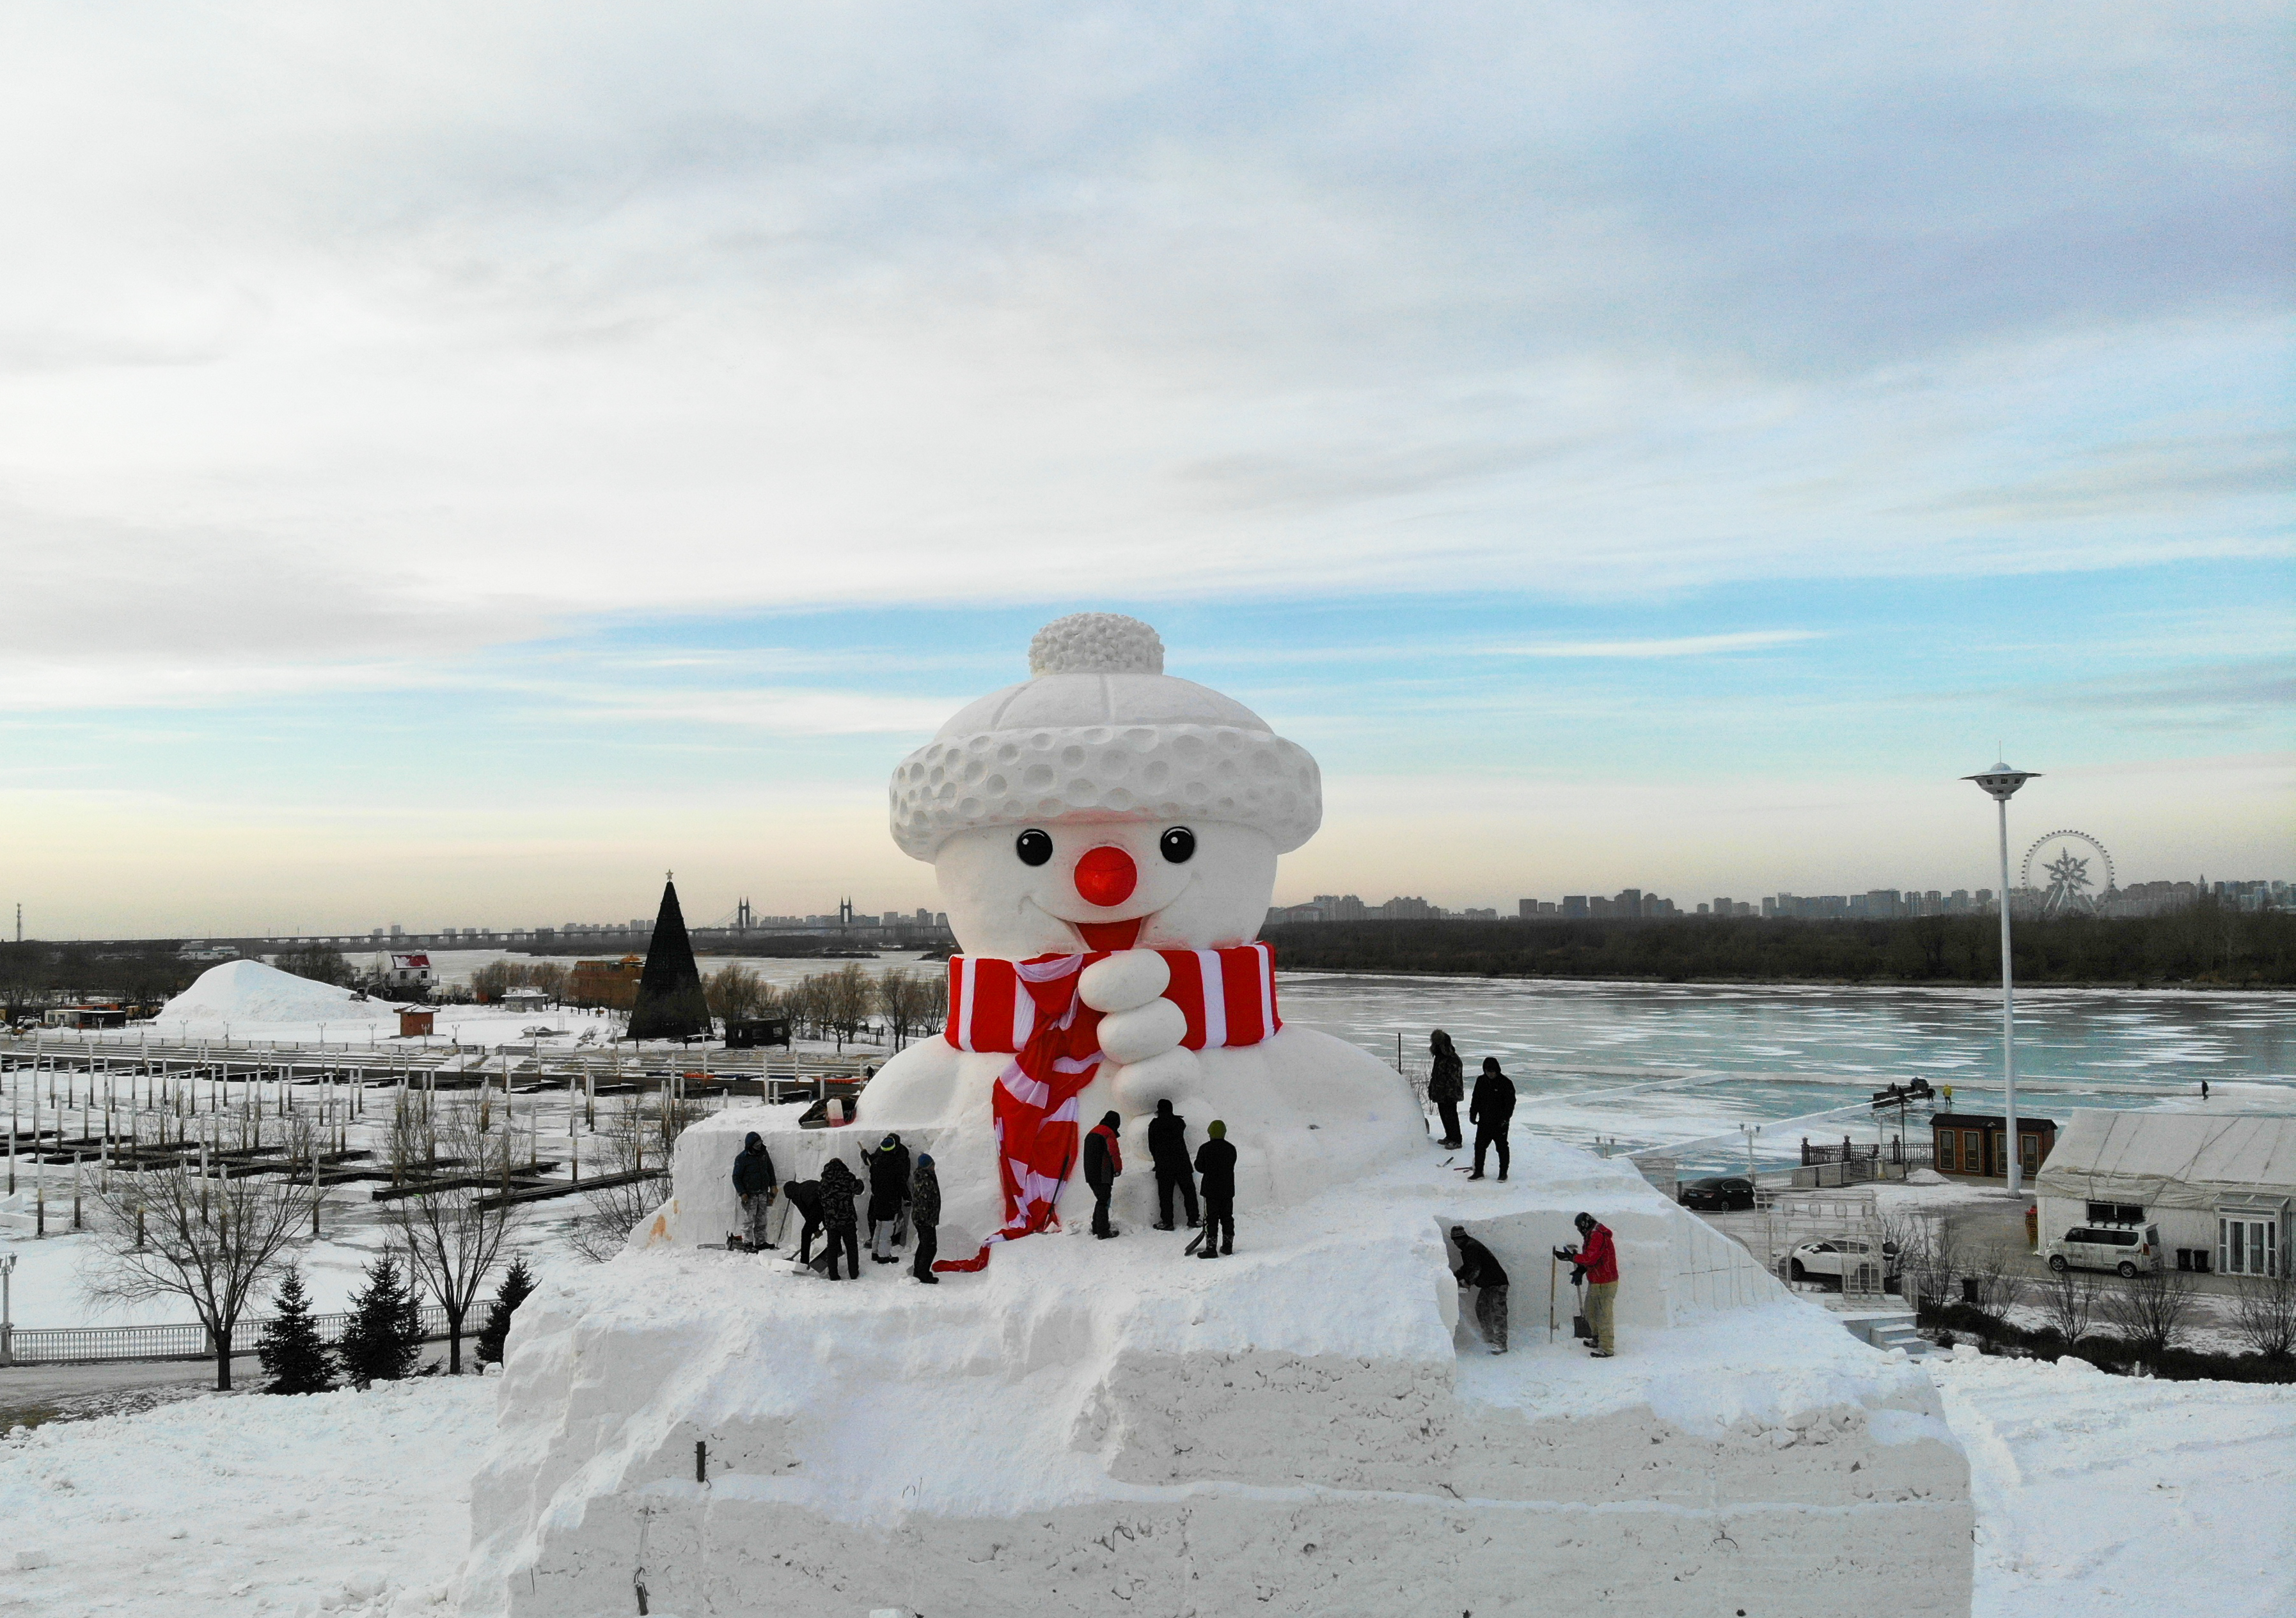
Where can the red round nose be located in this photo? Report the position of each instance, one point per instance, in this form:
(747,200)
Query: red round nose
(1106,875)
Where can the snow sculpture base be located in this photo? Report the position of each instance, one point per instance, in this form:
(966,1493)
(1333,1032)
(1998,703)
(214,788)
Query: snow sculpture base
(1306,1427)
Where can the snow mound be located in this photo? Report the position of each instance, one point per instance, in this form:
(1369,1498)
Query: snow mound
(1305,1429)
(249,991)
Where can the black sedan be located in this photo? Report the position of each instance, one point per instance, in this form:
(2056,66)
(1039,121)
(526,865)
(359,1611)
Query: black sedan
(1719,1194)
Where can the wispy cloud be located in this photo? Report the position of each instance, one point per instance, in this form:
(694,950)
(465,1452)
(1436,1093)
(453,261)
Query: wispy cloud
(1681,645)
(794,711)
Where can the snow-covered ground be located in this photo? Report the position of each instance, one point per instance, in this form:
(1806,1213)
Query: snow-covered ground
(356,1503)
(2118,1497)
(2097,1497)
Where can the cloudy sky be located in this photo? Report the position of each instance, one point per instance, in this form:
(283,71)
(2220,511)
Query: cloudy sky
(457,462)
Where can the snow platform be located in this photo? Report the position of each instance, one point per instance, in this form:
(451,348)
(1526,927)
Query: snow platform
(1307,1428)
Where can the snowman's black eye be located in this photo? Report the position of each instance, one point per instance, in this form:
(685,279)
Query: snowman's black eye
(1034,847)
(1178,844)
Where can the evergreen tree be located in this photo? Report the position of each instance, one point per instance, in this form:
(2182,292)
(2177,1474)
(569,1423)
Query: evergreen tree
(670,1004)
(383,1338)
(517,1286)
(292,1355)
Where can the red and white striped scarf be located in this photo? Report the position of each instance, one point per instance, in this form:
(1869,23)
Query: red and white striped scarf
(1031,1010)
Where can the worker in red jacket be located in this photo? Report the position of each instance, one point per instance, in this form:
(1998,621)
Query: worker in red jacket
(1103,1160)
(1596,1263)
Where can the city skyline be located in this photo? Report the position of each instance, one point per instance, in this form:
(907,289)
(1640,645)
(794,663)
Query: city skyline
(2131,899)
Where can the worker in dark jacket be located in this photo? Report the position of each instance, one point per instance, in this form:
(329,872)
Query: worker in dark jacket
(1168,1150)
(1596,1263)
(805,1196)
(925,1215)
(1478,1270)
(889,1194)
(1103,1160)
(839,1187)
(1447,1084)
(754,1184)
(1216,1162)
(1490,1112)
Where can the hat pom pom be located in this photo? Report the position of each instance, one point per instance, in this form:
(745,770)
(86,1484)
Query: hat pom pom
(1095,643)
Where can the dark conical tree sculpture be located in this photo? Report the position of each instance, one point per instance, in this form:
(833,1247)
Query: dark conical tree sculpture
(669,1004)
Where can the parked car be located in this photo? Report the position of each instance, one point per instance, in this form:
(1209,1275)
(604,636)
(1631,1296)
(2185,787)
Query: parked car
(2130,1249)
(1821,1258)
(1719,1193)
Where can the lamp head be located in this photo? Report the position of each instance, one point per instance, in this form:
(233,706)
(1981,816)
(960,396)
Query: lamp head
(2001,782)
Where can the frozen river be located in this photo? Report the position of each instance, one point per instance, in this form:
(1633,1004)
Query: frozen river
(1584,1057)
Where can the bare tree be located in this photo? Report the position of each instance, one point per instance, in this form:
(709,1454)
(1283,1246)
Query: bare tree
(732,991)
(490,982)
(1999,1268)
(905,1002)
(214,1242)
(2148,1311)
(848,999)
(2263,1314)
(454,1225)
(321,962)
(1929,1255)
(806,1005)
(2069,1300)
(636,1148)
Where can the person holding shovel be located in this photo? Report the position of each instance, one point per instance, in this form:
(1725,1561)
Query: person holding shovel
(1596,1263)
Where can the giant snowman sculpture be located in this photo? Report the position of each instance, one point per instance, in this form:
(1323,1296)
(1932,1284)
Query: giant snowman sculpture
(1073,1426)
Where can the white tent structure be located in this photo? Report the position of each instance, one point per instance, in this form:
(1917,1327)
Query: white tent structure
(2219,1187)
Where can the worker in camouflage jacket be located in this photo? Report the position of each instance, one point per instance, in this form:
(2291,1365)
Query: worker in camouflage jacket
(754,1184)
(924,1217)
(840,1186)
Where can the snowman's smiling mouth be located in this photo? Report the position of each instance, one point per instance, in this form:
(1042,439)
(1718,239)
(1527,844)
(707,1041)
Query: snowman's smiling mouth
(1124,934)
(1109,935)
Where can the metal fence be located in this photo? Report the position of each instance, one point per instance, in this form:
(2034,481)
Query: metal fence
(69,1344)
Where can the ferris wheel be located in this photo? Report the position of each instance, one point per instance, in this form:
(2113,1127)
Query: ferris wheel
(2061,865)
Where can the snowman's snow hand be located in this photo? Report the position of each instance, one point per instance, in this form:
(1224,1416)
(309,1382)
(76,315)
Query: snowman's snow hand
(1127,979)
(1176,1075)
(1144,1032)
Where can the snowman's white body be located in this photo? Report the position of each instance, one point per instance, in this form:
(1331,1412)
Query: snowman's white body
(1303,1110)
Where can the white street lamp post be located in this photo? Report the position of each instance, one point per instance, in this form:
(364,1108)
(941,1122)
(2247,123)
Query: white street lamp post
(7,1311)
(2001,783)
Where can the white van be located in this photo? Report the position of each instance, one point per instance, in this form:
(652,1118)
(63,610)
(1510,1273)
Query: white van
(2130,1249)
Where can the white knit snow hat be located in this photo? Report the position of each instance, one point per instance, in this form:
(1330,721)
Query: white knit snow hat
(1103,730)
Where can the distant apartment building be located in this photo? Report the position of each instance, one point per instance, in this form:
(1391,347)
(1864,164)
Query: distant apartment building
(1402,909)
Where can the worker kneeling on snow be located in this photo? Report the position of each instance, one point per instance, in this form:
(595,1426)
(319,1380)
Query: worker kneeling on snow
(1596,1264)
